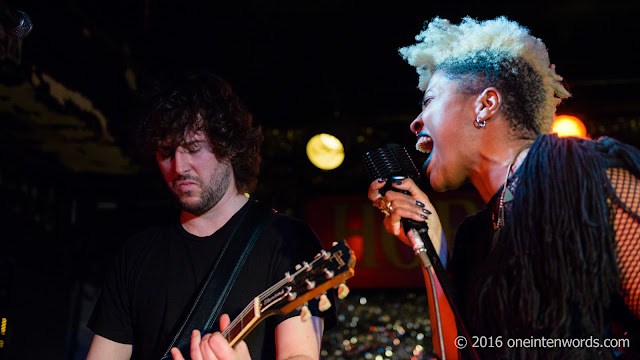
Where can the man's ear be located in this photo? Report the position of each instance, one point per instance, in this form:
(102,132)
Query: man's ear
(488,103)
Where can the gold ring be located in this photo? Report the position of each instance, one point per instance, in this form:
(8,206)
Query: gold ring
(384,206)
(387,209)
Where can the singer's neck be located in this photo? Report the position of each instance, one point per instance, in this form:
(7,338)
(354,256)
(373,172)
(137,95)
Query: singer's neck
(491,172)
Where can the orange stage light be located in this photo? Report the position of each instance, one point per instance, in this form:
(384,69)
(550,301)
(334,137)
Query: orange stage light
(567,125)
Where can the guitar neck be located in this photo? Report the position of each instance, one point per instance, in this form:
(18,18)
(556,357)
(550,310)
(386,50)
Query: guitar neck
(328,269)
(240,327)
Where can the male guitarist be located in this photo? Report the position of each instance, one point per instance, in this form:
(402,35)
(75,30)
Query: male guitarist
(207,148)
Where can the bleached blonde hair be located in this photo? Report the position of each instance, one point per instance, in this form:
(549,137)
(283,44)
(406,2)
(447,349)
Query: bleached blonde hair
(497,50)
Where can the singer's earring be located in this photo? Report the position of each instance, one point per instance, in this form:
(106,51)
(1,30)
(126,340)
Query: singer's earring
(478,123)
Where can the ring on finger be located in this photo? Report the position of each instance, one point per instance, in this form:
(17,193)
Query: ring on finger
(381,204)
(388,209)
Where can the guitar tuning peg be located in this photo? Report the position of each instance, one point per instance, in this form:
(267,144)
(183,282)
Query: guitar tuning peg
(305,314)
(298,267)
(310,284)
(328,273)
(324,304)
(343,291)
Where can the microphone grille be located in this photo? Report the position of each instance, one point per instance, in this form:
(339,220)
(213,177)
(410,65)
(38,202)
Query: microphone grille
(388,161)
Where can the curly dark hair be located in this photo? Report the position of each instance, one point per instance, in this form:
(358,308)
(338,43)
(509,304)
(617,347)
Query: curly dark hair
(202,101)
(523,93)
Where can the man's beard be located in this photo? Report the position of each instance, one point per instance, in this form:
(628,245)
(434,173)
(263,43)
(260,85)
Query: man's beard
(211,192)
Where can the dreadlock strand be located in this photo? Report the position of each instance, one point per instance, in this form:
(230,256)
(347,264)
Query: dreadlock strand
(565,264)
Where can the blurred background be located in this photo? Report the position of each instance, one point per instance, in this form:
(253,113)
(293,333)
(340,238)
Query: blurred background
(71,191)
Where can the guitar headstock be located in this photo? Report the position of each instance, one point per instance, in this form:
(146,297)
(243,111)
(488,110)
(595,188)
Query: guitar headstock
(330,268)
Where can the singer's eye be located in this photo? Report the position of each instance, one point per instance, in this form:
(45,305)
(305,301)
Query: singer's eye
(424,102)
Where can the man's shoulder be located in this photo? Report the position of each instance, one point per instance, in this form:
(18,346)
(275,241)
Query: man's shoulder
(292,226)
(288,231)
(281,221)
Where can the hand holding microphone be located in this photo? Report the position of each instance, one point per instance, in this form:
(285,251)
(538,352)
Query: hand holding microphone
(391,168)
(407,207)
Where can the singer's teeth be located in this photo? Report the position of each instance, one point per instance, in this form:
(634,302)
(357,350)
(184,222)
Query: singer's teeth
(424,144)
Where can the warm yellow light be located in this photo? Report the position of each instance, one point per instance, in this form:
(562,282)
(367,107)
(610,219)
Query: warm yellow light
(325,151)
(566,125)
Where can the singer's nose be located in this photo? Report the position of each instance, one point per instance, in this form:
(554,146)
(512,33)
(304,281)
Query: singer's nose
(416,125)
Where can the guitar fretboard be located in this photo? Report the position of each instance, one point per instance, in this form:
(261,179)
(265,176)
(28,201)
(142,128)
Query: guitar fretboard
(242,322)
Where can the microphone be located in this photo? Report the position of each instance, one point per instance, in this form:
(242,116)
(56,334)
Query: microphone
(392,161)
(16,24)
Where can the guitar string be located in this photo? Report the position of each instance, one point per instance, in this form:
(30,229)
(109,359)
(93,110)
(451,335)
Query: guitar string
(266,293)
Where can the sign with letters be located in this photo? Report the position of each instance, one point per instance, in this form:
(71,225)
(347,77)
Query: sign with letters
(383,261)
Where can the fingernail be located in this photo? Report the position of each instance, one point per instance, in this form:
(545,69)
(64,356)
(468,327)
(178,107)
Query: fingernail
(381,180)
(419,203)
(397,182)
(423,216)
(426,211)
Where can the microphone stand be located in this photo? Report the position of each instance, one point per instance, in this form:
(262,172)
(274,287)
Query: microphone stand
(430,261)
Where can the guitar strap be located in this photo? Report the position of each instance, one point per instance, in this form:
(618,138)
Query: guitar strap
(208,304)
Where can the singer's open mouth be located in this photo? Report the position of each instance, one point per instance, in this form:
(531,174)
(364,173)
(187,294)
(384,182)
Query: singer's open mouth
(424,143)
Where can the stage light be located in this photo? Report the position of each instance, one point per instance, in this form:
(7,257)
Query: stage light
(325,151)
(567,125)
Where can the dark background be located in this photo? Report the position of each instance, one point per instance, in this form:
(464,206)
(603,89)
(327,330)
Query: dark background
(70,191)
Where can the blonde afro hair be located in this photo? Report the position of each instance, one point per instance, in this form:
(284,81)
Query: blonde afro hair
(496,46)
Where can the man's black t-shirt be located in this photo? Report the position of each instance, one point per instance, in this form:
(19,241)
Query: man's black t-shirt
(154,279)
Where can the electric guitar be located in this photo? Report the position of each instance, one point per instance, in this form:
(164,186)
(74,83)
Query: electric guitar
(309,280)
